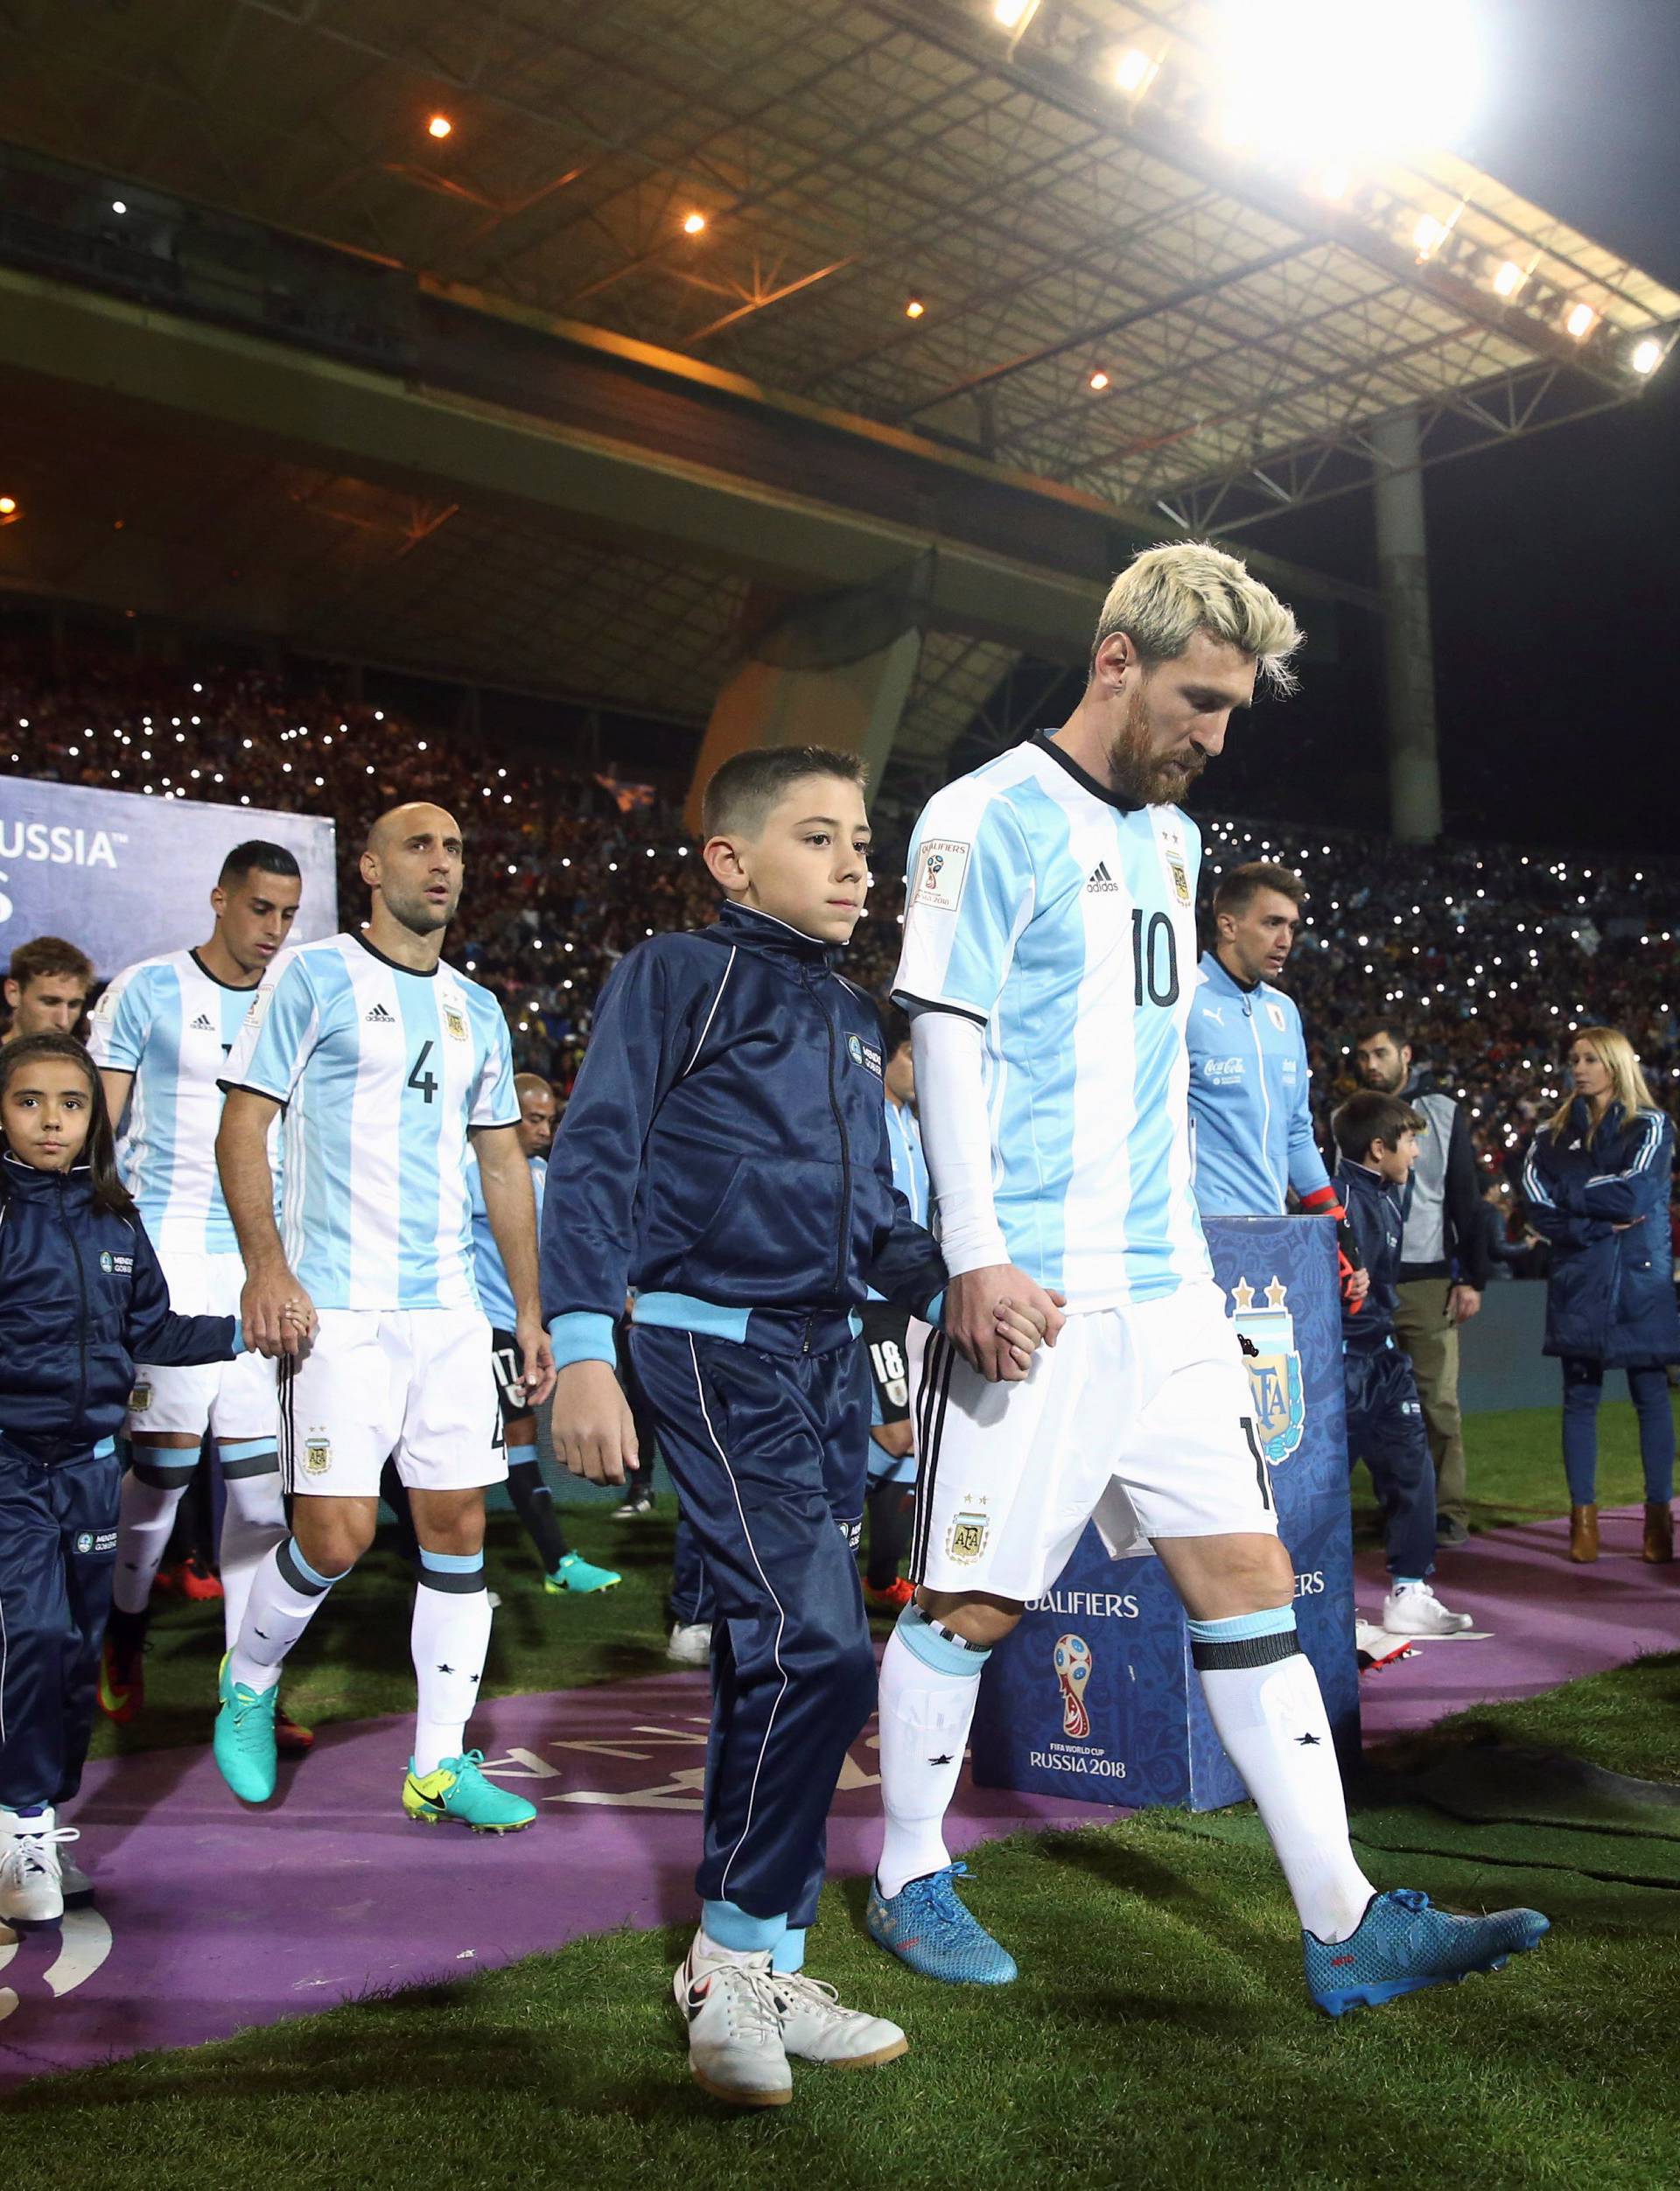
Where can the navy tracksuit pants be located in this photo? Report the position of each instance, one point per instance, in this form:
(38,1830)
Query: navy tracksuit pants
(768,1451)
(58,1554)
(1386,1431)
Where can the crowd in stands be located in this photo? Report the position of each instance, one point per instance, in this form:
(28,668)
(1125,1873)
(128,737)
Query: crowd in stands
(1489,953)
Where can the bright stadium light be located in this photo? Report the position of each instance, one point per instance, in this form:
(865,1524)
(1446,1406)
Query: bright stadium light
(1134,71)
(1349,79)
(1581,321)
(1648,355)
(1014,15)
(693,223)
(439,126)
(1510,278)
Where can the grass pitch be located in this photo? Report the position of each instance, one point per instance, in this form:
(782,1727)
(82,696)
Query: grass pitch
(1160,2034)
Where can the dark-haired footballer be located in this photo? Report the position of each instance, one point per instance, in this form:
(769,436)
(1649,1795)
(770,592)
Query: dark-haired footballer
(724,1157)
(160,1036)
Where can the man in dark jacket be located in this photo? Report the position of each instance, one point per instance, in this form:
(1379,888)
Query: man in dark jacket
(1443,1258)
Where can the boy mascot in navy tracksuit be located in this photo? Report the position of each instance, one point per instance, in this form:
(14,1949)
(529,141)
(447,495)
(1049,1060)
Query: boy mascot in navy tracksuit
(81,1298)
(724,1157)
(1377,1137)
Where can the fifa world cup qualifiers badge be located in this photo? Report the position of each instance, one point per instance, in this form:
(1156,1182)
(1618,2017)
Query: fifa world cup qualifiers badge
(941,869)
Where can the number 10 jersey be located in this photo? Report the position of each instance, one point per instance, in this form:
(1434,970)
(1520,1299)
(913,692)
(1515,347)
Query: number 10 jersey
(382,1071)
(1061,917)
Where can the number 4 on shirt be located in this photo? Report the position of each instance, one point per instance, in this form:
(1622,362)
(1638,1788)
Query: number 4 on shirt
(426,1083)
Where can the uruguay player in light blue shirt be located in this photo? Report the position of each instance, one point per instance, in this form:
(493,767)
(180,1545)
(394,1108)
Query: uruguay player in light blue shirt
(1049,951)
(1250,1088)
(385,1060)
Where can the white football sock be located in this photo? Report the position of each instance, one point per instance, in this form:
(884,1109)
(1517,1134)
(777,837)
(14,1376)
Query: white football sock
(286,1593)
(145,1517)
(929,1683)
(1271,1719)
(449,1638)
(253,1523)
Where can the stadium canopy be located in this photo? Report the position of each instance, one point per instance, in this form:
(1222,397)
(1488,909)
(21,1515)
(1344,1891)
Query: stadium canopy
(1037,238)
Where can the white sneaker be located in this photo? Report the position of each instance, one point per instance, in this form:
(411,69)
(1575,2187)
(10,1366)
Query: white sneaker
(1417,1611)
(690,1645)
(31,1886)
(817,2028)
(735,2048)
(1376,1647)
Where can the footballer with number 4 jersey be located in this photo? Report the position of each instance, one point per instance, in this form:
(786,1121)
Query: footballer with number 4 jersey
(1048,961)
(160,1037)
(385,1062)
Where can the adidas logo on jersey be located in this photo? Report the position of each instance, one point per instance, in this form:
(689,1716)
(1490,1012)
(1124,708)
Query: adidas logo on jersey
(378,1014)
(202,1021)
(1101,879)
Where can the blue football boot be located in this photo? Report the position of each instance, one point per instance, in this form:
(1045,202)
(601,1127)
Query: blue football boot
(1405,1944)
(926,1928)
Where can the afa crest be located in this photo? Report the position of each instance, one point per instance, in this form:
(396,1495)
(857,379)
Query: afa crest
(1269,1355)
(966,1538)
(454,1024)
(317,1456)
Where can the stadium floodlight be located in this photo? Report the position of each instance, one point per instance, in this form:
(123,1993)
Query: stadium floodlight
(118,206)
(1351,81)
(439,126)
(914,308)
(1014,15)
(693,223)
(1098,382)
(1510,278)
(1581,321)
(1648,355)
(1428,235)
(1134,71)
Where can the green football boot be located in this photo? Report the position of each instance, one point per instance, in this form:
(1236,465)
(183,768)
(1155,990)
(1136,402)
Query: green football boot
(457,1789)
(244,1742)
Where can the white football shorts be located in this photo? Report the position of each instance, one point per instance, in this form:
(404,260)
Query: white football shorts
(413,1385)
(235,1399)
(1138,1420)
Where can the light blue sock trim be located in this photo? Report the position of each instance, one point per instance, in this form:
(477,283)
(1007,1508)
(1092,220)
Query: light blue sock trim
(731,1928)
(1406,1582)
(289,1550)
(788,1953)
(1241,1627)
(243,1448)
(452,1562)
(520,1456)
(923,1640)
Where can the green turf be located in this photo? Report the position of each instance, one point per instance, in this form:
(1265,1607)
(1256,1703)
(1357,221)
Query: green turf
(1513,1463)
(1159,2036)
(355,1664)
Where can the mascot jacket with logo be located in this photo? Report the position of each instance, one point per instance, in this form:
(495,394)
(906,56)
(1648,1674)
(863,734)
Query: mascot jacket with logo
(1251,1110)
(724,1158)
(81,1298)
(1603,1203)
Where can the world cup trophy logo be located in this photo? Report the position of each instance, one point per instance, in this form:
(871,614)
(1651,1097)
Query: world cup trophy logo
(1073,1670)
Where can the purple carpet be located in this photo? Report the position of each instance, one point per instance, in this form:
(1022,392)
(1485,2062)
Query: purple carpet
(210,1918)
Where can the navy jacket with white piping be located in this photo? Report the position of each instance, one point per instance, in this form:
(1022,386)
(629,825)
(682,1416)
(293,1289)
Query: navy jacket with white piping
(82,1300)
(1250,1107)
(1376,1209)
(724,1152)
(1610,1296)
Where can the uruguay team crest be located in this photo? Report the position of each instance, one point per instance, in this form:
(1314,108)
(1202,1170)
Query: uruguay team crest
(1274,1366)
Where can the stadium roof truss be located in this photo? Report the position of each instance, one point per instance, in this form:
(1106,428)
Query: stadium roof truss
(848,155)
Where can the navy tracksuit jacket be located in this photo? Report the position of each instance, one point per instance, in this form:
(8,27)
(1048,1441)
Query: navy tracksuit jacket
(1385,1418)
(81,1299)
(724,1155)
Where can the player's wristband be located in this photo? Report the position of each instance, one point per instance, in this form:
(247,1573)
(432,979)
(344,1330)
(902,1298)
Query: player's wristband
(582,1336)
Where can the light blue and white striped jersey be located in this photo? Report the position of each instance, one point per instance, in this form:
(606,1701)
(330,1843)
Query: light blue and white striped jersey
(382,1070)
(495,1292)
(1061,917)
(172,1025)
